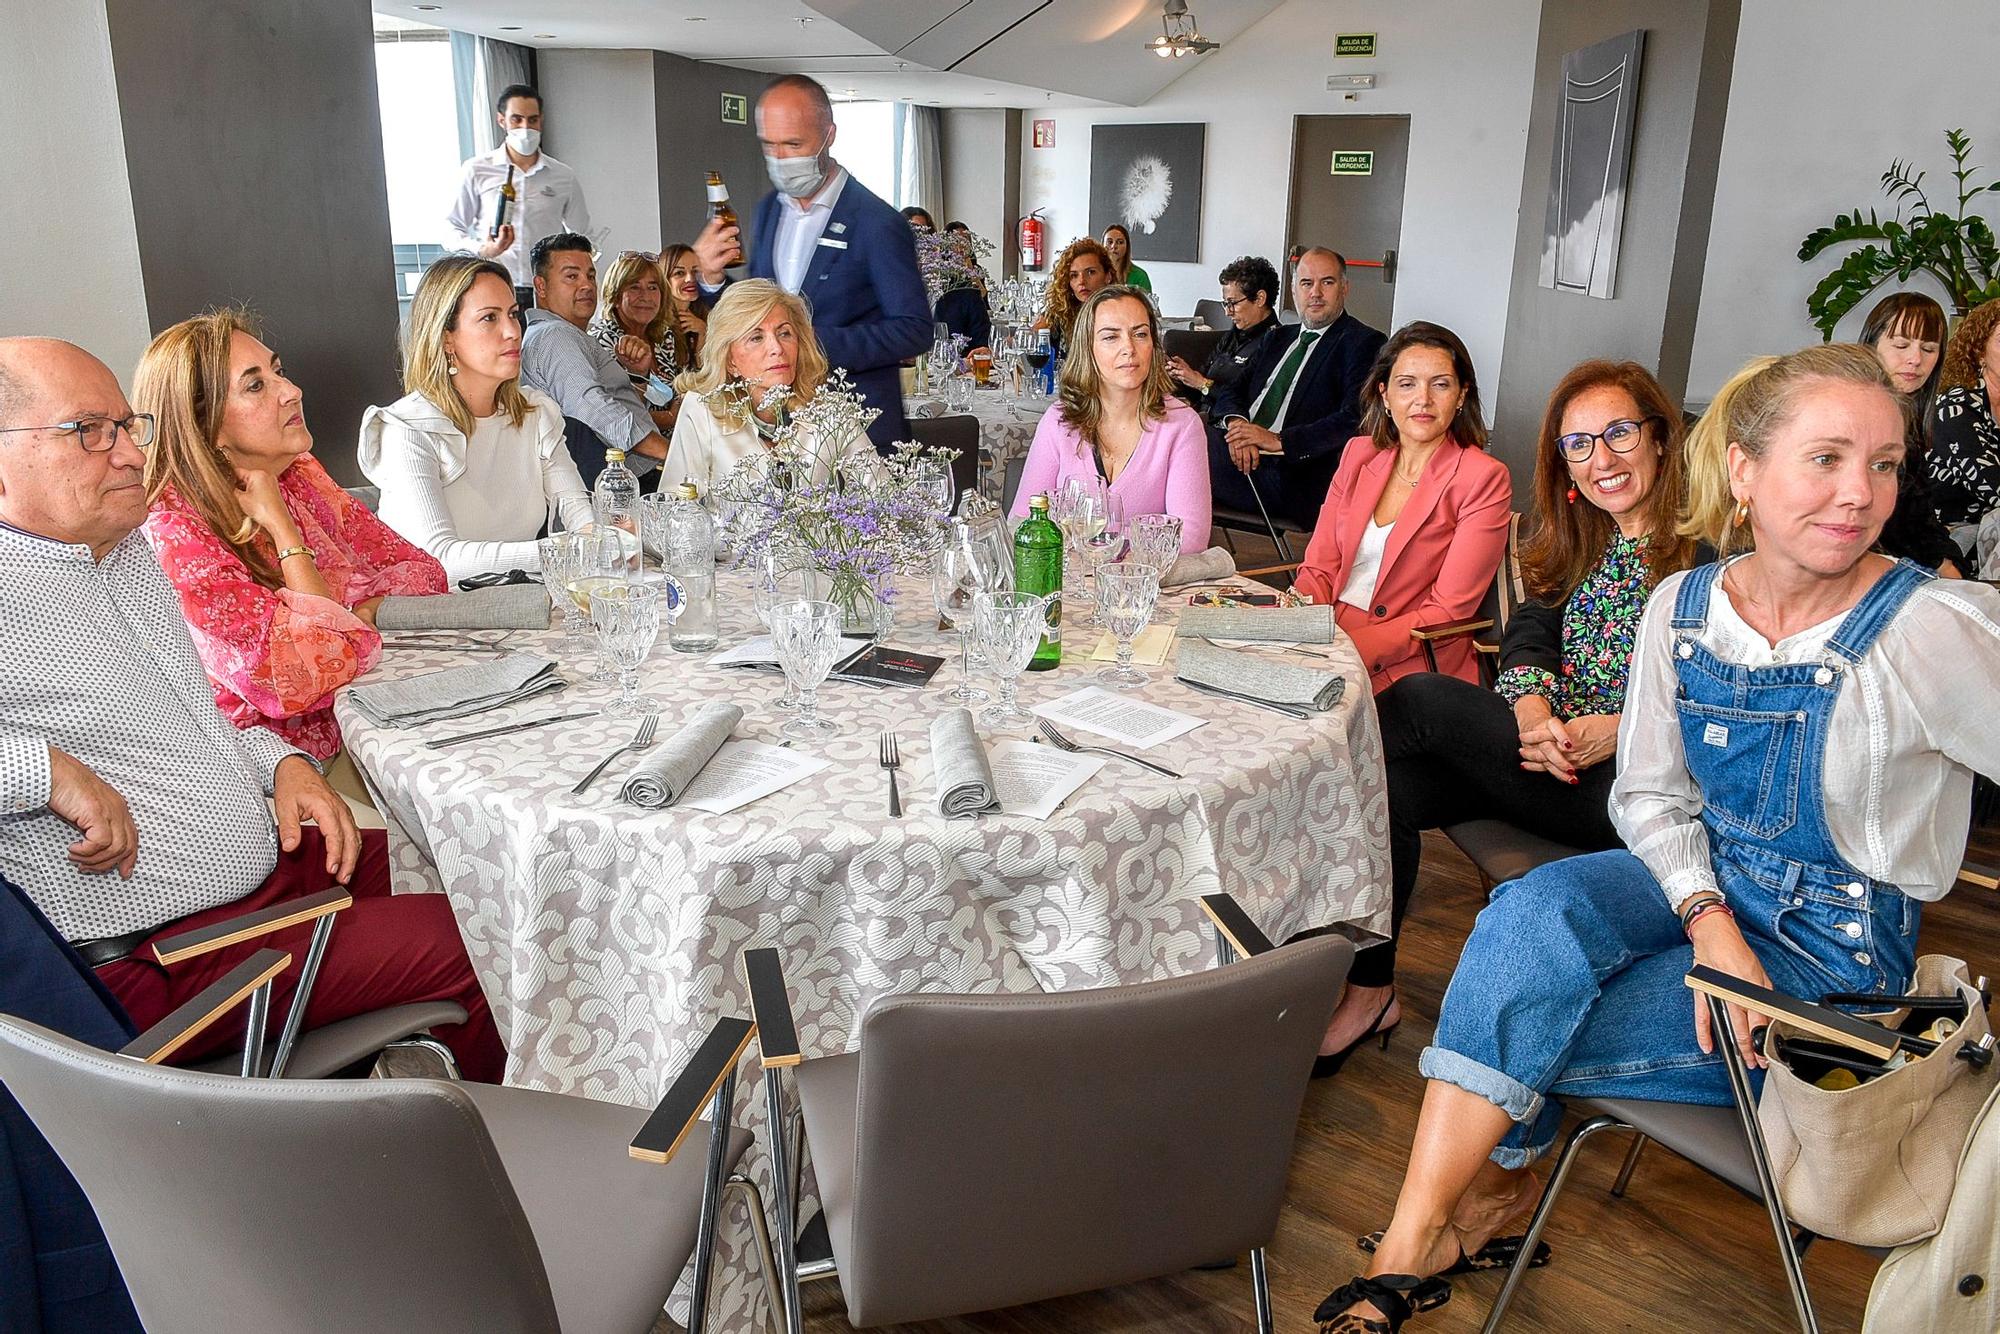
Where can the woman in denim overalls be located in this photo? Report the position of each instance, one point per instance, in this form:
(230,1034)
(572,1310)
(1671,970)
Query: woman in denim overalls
(1571,982)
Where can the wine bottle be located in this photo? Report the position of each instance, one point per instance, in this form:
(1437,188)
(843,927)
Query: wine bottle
(1038,569)
(719,210)
(503,204)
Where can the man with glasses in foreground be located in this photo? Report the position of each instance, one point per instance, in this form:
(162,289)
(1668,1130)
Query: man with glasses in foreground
(130,808)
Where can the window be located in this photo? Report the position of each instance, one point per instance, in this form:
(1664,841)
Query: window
(420,149)
(866,145)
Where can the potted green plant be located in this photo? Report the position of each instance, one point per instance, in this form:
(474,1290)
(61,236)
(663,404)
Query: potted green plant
(1957,248)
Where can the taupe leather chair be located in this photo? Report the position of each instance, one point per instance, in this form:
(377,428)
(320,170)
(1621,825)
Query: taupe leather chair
(412,1204)
(960,432)
(983,1151)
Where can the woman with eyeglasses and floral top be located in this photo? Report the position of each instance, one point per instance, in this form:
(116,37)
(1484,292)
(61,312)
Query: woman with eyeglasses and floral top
(1250,296)
(1537,750)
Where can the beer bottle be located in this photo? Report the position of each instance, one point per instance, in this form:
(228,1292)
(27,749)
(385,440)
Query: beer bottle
(718,207)
(504,204)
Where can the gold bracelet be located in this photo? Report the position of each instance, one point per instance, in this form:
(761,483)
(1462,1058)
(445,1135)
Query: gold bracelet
(290,552)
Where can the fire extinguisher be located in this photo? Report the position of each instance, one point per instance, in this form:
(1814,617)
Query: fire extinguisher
(1033,234)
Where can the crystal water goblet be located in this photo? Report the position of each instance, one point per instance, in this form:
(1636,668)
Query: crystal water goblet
(1010,625)
(807,634)
(627,618)
(1126,594)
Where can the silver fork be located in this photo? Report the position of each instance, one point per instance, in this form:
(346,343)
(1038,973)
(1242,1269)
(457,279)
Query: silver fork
(640,740)
(891,759)
(1062,742)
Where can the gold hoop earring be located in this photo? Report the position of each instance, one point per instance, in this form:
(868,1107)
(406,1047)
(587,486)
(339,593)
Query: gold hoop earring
(1742,510)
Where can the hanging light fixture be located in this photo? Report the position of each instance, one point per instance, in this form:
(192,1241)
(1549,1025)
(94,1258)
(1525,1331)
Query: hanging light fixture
(1179,35)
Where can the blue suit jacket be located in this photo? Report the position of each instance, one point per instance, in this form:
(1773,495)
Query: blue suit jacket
(57,1275)
(868,302)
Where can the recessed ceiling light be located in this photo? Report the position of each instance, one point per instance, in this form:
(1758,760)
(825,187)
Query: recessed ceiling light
(430,9)
(696,18)
(545,34)
(510,27)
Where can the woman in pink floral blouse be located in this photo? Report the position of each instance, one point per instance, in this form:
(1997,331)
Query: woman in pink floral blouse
(279,569)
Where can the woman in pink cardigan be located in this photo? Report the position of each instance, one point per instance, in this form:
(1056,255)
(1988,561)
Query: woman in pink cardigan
(1115,417)
(1415,521)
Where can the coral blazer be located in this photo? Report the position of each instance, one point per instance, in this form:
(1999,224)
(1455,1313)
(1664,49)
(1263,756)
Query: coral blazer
(1441,558)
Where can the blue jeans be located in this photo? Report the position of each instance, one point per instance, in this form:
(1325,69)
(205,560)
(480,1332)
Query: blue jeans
(1571,982)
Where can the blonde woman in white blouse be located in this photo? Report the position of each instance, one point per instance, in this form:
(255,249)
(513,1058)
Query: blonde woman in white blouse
(1795,780)
(761,336)
(469,462)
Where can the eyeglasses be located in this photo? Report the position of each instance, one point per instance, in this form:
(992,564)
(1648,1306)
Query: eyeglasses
(648,256)
(1230,303)
(1620,437)
(97,435)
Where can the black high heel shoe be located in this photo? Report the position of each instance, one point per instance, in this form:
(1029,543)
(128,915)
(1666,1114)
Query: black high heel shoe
(1396,1296)
(1329,1065)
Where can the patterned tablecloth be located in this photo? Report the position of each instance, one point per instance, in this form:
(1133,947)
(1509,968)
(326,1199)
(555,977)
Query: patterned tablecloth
(608,937)
(1006,429)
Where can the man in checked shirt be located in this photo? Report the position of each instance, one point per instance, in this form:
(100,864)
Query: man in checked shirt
(130,808)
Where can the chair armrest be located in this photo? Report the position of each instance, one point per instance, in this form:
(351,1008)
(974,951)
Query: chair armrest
(771,1007)
(1983,874)
(217,999)
(681,1106)
(1481,646)
(206,939)
(1437,632)
(1235,925)
(1271,569)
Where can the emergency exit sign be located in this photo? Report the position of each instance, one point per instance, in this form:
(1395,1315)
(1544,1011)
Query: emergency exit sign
(735,109)
(1354,162)
(1354,44)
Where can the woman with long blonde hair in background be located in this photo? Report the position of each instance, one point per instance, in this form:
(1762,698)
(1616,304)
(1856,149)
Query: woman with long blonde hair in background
(279,570)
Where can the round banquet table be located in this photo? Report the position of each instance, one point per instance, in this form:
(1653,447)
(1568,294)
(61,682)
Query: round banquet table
(609,937)
(1006,429)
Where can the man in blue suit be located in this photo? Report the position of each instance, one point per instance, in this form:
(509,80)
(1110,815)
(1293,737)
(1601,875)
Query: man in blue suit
(827,237)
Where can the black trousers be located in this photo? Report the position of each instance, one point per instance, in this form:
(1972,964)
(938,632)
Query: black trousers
(1454,753)
(1290,491)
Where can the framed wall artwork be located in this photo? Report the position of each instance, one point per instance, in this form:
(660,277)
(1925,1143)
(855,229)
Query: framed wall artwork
(1149,178)
(1592,167)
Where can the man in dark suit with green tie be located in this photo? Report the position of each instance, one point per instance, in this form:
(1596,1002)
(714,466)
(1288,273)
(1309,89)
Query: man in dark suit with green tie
(1281,426)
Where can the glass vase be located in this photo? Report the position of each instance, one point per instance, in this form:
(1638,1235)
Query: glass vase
(863,615)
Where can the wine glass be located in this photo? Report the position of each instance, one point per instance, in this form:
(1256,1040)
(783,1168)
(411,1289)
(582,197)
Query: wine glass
(768,591)
(627,617)
(599,562)
(1155,540)
(559,552)
(1010,626)
(1081,508)
(958,575)
(1039,354)
(808,636)
(1125,596)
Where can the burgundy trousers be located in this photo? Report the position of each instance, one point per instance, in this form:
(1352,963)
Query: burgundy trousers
(385,950)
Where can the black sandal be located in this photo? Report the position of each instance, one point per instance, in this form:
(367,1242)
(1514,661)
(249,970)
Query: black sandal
(1396,1296)
(1498,1253)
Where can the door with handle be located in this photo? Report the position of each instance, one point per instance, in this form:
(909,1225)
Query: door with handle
(1347,194)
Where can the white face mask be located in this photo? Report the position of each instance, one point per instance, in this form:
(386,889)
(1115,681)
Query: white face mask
(524,141)
(797,177)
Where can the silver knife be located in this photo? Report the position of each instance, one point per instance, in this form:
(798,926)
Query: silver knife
(511,727)
(1285,709)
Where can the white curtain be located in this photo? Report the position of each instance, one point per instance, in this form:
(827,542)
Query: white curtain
(919,161)
(482,67)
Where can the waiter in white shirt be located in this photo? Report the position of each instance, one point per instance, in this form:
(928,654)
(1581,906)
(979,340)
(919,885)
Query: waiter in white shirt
(547,199)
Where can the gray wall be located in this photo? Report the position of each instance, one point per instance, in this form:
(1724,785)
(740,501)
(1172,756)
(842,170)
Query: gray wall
(1683,96)
(593,102)
(253,144)
(687,101)
(981,148)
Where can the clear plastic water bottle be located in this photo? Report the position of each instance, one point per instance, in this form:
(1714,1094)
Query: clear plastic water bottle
(616,505)
(690,558)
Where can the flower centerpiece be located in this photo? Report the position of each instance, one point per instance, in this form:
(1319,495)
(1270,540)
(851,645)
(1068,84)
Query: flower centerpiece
(820,500)
(950,260)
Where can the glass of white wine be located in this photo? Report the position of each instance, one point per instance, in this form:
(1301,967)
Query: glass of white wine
(598,562)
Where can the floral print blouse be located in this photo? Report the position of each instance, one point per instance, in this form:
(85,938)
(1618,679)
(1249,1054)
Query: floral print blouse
(1586,674)
(607,331)
(275,656)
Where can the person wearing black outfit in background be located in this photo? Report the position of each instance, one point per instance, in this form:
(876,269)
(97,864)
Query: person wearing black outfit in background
(1965,424)
(1250,296)
(1905,331)
(1278,430)
(1537,749)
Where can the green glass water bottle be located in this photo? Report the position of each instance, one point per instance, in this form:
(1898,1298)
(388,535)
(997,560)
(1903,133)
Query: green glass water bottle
(1038,569)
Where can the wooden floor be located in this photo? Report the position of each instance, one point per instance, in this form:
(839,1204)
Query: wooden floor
(1679,1252)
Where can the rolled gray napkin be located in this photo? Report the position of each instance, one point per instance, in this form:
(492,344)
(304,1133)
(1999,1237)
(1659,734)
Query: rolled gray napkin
(1290,625)
(503,607)
(454,692)
(666,773)
(1200,567)
(964,778)
(1255,677)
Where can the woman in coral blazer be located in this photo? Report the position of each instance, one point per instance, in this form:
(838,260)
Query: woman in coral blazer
(1415,521)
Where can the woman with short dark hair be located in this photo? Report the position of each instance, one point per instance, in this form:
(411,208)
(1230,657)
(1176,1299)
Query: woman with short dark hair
(1250,298)
(1906,332)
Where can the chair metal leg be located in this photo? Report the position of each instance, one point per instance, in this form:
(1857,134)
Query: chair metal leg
(711,1202)
(785,1206)
(295,1017)
(1260,1284)
(1564,1162)
(425,1042)
(253,1031)
(1746,1109)
(767,1262)
(1277,538)
(1625,1168)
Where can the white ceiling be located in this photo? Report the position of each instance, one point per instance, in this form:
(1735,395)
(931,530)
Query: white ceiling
(948,52)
